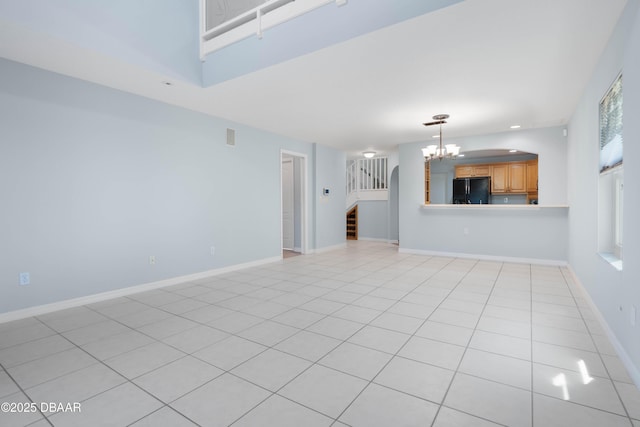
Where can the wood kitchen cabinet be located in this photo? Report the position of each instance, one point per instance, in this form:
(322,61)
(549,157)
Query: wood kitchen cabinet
(427,183)
(532,181)
(509,178)
(469,171)
(499,178)
(517,177)
(532,176)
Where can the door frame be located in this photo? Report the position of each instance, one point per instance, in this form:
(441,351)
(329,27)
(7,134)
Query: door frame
(393,205)
(289,184)
(301,177)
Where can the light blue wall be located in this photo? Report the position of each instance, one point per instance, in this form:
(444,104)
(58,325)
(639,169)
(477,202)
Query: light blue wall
(609,288)
(163,35)
(94,181)
(159,35)
(312,31)
(373,219)
(536,235)
(533,235)
(330,172)
(394,221)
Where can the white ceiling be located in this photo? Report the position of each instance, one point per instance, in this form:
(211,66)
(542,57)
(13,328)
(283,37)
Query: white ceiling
(488,63)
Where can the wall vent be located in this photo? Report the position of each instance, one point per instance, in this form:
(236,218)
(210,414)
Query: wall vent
(231,137)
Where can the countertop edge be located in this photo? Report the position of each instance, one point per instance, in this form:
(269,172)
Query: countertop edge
(507,207)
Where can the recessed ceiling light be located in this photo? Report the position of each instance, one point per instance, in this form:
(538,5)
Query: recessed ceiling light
(515,127)
(369,154)
(513,151)
(460,155)
(435,136)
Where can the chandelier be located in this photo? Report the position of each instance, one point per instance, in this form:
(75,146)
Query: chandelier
(448,151)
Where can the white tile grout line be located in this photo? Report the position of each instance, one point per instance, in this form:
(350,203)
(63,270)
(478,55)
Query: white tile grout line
(302,285)
(531,345)
(127,380)
(624,406)
(21,390)
(158,340)
(369,382)
(345,340)
(466,348)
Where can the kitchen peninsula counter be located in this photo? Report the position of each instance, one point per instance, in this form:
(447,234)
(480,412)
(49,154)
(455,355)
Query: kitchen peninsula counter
(531,234)
(495,206)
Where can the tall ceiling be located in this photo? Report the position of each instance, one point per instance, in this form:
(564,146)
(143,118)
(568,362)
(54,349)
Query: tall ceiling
(489,64)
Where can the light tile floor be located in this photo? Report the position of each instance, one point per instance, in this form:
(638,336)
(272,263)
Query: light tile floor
(363,336)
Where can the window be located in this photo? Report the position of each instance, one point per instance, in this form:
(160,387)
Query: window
(611,180)
(611,127)
(618,209)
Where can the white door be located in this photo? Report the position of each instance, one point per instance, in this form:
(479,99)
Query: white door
(287,204)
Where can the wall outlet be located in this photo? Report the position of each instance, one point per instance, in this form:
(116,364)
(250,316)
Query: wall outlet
(213,250)
(506,200)
(152,260)
(25,279)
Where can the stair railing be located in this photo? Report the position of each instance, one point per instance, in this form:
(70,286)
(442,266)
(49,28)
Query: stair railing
(367,175)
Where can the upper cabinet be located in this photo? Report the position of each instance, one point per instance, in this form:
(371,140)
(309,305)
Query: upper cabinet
(513,176)
(427,183)
(499,178)
(532,176)
(469,171)
(509,178)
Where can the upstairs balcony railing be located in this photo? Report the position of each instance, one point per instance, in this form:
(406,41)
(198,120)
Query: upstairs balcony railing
(367,178)
(225,22)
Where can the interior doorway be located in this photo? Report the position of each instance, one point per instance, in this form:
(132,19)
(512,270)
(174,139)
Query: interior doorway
(293,206)
(394,203)
(288,208)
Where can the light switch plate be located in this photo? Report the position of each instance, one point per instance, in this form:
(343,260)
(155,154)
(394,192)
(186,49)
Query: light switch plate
(25,279)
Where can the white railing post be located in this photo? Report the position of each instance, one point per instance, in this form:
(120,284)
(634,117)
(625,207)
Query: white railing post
(367,180)
(352,177)
(371,173)
(375,174)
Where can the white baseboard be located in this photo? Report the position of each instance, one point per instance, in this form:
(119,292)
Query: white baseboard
(517,260)
(632,369)
(103,296)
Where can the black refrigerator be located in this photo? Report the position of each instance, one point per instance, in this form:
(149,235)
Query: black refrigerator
(471,191)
